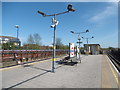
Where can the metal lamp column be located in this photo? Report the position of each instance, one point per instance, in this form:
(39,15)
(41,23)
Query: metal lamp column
(17,27)
(54,26)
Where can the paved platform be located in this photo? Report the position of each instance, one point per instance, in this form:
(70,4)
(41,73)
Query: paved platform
(95,71)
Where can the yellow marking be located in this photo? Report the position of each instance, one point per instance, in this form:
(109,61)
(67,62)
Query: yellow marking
(116,78)
(54,47)
(10,68)
(79,53)
(54,59)
(20,65)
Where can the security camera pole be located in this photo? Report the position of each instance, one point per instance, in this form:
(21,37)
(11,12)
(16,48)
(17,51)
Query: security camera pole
(87,49)
(55,22)
(79,40)
(17,27)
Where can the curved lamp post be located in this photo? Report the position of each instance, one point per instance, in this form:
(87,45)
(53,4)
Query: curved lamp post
(55,23)
(79,39)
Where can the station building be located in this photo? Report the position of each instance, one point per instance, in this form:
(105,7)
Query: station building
(93,49)
(8,39)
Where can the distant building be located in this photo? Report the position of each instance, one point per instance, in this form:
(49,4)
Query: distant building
(8,39)
(93,49)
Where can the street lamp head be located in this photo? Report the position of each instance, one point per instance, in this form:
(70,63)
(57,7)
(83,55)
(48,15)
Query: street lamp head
(70,8)
(43,14)
(17,26)
(72,31)
(87,30)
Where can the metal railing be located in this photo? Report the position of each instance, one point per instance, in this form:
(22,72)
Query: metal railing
(9,57)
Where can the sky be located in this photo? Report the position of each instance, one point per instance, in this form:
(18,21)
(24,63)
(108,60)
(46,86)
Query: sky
(101,18)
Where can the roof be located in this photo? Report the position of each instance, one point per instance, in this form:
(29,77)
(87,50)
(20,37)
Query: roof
(92,44)
(7,37)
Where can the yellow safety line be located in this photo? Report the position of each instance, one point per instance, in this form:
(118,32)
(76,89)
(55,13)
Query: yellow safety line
(54,59)
(10,67)
(38,62)
(21,65)
(113,72)
(27,64)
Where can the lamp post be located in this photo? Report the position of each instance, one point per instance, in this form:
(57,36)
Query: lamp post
(55,23)
(17,27)
(87,43)
(79,39)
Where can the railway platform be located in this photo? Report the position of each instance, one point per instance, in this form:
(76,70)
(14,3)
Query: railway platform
(94,71)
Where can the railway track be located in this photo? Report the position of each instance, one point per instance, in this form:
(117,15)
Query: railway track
(114,61)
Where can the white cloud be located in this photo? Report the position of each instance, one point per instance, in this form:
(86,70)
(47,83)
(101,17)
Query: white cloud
(106,13)
(113,0)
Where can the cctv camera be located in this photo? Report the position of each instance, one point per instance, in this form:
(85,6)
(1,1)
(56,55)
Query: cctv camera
(52,26)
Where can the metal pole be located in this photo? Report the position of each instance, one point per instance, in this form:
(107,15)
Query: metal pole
(79,50)
(17,32)
(79,46)
(17,36)
(54,46)
(87,47)
(87,41)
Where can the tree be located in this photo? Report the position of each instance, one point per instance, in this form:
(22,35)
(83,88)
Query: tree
(30,46)
(110,48)
(59,43)
(33,42)
(30,39)
(37,39)
(9,46)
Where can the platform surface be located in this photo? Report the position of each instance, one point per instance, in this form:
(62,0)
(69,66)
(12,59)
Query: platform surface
(95,71)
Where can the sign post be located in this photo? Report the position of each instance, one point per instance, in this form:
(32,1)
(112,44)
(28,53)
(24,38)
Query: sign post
(77,52)
(71,50)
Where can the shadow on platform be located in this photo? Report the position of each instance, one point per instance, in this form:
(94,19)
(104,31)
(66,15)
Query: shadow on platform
(66,62)
(31,66)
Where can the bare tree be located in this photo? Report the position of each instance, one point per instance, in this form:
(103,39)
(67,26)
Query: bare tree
(37,39)
(34,39)
(30,39)
(59,43)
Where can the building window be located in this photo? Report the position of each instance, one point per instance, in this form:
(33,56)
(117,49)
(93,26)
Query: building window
(6,39)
